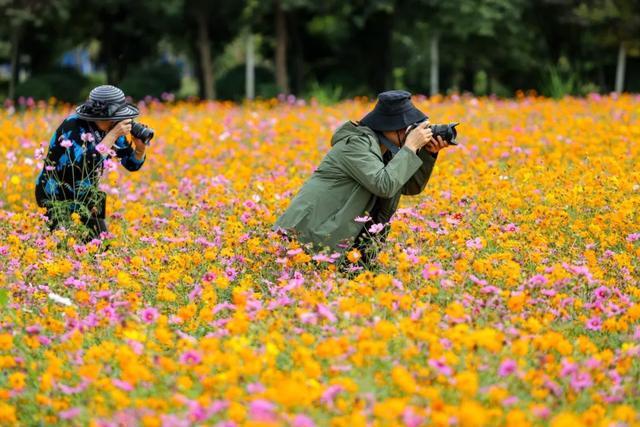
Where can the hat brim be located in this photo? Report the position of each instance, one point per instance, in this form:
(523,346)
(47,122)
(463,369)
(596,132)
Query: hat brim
(126,112)
(381,122)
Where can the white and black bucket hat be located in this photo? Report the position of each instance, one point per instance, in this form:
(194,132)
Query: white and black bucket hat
(106,102)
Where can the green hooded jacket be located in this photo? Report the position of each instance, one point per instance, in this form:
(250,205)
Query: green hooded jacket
(346,185)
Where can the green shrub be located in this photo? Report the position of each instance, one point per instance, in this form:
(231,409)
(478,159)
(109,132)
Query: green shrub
(151,80)
(65,84)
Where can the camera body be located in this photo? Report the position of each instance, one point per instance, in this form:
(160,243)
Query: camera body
(142,132)
(447,132)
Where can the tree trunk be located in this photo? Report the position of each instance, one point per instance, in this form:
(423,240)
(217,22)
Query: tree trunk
(435,64)
(282,79)
(15,62)
(204,51)
(250,72)
(620,68)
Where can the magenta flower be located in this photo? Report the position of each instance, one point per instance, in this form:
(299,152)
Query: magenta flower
(475,243)
(507,368)
(538,279)
(376,228)
(432,270)
(149,315)
(594,324)
(191,357)
(262,410)
(109,165)
(66,143)
(69,413)
(441,367)
(580,381)
(325,312)
(87,137)
(302,421)
(633,237)
(602,292)
(330,394)
(102,149)
(122,385)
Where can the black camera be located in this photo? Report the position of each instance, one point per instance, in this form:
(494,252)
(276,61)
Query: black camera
(142,132)
(447,132)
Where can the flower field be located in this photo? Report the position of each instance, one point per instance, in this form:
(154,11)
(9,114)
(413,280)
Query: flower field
(508,292)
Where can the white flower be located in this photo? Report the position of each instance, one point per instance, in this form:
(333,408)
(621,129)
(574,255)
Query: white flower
(60,299)
(362,219)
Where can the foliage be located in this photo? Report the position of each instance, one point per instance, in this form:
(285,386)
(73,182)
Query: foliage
(151,80)
(65,84)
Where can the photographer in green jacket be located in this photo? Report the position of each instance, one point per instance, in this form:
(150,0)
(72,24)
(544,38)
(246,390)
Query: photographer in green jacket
(356,189)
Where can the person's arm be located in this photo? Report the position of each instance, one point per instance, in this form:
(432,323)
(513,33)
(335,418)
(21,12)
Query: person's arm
(364,166)
(418,180)
(132,159)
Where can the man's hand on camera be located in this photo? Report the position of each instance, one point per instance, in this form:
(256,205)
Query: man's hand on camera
(419,137)
(436,144)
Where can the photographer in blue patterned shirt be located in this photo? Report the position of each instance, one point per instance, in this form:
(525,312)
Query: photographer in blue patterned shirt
(80,149)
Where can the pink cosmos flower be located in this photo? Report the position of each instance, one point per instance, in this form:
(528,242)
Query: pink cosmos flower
(633,237)
(432,270)
(475,243)
(330,394)
(149,315)
(262,410)
(580,381)
(69,413)
(602,292)
(594,324)
(411,419)
(538,279)
(87,137)
(66,143)
(325,312)
(510,227)
(255,388)
(302,421)
(376,228)
(441,367)
(102,149)
(109,165)
(507,368)
(122,385)
(191,357)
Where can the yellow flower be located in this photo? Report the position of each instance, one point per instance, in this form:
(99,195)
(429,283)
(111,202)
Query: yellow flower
(354,256)
(566,419)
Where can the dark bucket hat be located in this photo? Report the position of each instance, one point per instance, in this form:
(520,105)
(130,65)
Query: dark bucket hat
(393,111)
(106,102)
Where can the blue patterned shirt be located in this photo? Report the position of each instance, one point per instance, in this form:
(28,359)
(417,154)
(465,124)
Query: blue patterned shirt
(74,162)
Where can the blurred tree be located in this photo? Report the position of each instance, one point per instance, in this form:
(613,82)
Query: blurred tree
(24,17)
(128,32)
(208,27)
(617,23)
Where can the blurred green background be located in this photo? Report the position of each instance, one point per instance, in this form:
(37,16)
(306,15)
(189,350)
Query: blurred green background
(327,50)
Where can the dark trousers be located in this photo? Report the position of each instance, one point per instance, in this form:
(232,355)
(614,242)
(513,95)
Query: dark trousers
(94,224)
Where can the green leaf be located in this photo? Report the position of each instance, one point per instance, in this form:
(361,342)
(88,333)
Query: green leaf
(4,297)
